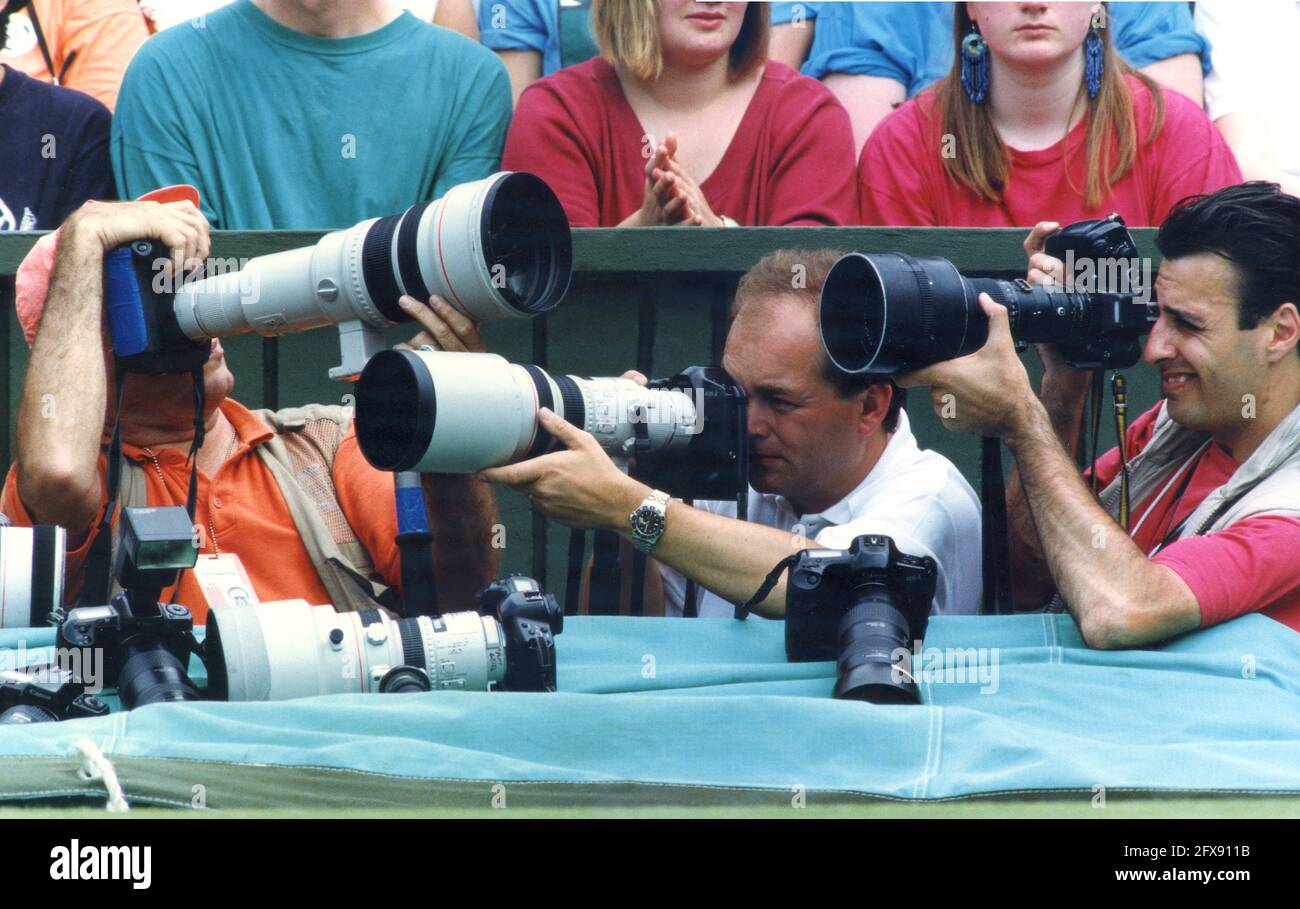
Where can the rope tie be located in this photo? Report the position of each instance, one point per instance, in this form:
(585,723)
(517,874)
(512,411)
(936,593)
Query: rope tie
(95,766)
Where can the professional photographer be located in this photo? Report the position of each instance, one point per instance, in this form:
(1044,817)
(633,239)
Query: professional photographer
(285,500)
(830,458)
(1213,469)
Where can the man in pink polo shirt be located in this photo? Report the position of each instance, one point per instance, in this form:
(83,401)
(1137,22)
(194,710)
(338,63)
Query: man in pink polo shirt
(1214,468)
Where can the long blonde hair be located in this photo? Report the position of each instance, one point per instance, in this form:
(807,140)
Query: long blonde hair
(986,165)
(627,33)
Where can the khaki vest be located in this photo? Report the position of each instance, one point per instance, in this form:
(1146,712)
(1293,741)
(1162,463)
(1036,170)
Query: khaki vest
(300,457)
(1268,482)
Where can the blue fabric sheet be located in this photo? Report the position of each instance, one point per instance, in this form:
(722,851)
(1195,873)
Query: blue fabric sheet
(714,703)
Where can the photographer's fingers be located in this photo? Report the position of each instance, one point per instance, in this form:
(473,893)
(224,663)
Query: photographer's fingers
(637,377)
(516,476)
(562,429)
(449,329)
(1037,238)
(1045,270)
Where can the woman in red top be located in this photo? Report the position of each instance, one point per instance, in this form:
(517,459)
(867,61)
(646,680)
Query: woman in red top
(684,120)
(1040,142)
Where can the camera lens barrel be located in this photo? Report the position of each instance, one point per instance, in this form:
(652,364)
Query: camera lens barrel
(151,674)
(871,635)
(445,412)
(31,574)
(886,313)
(289,649)
(495,248)
(27,713)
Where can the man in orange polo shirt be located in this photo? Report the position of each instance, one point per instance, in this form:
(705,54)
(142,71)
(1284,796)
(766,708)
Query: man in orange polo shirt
(59,472)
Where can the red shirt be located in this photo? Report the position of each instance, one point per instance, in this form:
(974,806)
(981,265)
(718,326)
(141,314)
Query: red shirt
(1246,567)
(901,179)
(789,162)
(242,511)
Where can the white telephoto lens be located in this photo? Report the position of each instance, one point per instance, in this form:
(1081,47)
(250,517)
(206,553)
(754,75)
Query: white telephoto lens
(495,248)
(444,412)
(290,649)
(31,574)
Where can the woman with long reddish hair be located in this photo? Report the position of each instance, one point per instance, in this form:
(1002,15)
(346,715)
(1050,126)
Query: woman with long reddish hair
(1039,119)
(683,119)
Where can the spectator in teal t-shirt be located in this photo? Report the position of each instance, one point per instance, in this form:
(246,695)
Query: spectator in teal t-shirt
(280,126)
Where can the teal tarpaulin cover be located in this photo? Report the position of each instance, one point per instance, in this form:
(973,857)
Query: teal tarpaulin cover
(1011,704)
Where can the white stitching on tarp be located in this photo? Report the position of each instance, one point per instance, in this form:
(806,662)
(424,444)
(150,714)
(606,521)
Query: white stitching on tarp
(95,766)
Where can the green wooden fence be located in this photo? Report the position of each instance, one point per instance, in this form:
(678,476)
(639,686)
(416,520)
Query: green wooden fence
(654,299)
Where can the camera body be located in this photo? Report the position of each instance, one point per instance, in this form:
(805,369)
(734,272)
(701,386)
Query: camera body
(45,694)
(530,620)
(146,644)
(715,462)
(142,324)
(857,606)
(1112,322)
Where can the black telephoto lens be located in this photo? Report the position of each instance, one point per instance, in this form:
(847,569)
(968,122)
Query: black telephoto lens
(887,313)
(150,674)
(870,636)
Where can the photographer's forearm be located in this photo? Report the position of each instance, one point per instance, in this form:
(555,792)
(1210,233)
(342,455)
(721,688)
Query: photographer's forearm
(727,556)
(61,411)
(1063,396)
(463,514)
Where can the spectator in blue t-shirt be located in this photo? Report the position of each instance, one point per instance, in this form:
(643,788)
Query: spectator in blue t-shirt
(55,152)
(793,25)
(292,115)
(875,56)
(534,38)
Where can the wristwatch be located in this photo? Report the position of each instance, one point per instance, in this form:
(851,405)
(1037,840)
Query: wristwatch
(648,521)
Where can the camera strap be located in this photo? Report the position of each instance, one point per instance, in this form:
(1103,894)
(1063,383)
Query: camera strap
(98,570)
(993,518)
(99,573)
(1094,421)
(743,610)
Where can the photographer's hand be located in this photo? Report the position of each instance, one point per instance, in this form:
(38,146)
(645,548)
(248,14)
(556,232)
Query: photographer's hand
(579,487)
(445,327)
(986,392)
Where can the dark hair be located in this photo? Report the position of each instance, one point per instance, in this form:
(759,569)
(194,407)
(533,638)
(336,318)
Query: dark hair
(1256,227)
(775,275)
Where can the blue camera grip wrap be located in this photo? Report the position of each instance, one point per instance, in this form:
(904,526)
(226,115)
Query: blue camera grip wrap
(411,516)
(122,303)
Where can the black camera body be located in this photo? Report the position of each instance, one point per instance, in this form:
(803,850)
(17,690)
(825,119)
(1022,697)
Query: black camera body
(45,694)
(530,619)
(146,644)
(715,464)
(142,323)
(1111,325)
(858,606)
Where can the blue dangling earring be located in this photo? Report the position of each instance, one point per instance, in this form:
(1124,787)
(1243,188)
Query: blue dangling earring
(975,66)
(1093,66)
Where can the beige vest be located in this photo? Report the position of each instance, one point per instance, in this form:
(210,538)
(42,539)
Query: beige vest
(300,457)
(1268,482)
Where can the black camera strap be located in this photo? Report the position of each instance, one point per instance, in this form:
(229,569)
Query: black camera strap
(98,568)
(200,402)
(573,589)
(743,610)
(993,517)
(1094,421)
